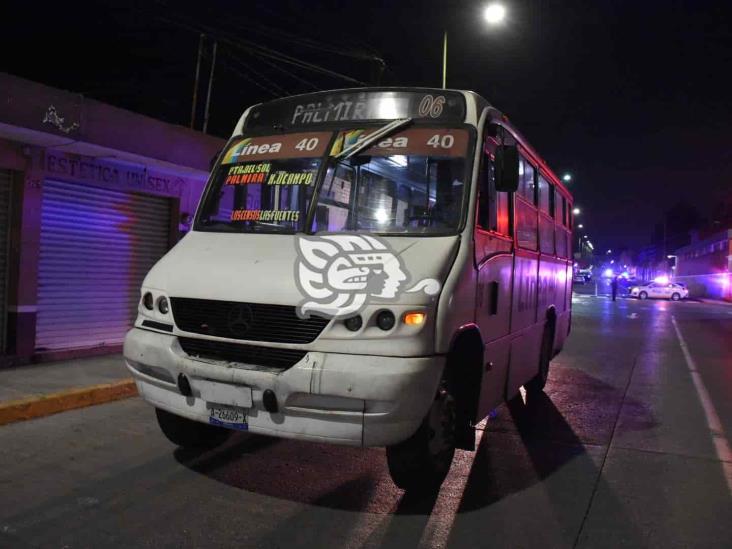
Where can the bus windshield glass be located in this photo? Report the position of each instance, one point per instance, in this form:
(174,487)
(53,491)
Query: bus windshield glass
(412,182)
(263,184)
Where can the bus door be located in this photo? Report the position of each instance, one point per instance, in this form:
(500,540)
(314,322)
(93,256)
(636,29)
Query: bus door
(494,260)
(525,333)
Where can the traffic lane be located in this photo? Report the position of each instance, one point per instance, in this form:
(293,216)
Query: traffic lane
(661,409)
(112,464)
(662,463)
(105,476)
(707,330)
(680,424)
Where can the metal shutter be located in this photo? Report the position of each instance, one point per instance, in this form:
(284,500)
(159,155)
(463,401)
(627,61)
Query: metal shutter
(97,245)
(5,186)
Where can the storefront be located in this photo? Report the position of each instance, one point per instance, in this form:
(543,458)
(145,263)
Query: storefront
(5,187)
(85,211)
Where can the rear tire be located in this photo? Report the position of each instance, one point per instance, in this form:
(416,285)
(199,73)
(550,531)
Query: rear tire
(421,463)
(187,433)
(538,382)
(675,296)
(643,295)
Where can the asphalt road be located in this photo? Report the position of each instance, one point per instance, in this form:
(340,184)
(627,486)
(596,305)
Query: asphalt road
(620,452)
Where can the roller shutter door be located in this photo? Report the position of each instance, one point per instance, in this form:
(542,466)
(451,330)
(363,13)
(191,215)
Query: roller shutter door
(5,179)
(97,245)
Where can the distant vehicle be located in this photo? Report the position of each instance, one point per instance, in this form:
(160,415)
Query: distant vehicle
(669,290)
(579,278)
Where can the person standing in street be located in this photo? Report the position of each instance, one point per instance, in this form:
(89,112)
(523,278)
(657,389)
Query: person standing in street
(614,286)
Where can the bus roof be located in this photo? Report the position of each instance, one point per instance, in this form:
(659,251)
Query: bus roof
(381,104)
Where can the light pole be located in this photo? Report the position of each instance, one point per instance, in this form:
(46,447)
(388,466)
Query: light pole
(494,14)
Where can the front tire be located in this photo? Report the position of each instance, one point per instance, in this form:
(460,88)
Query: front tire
(187,433)
(643,295)
(421,463)
(675,296)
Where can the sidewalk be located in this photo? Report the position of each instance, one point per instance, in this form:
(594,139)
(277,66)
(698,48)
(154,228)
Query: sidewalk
(715,301)
(39,390)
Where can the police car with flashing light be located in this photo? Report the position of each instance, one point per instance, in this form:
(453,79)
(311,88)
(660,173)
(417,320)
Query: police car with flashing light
(660,290)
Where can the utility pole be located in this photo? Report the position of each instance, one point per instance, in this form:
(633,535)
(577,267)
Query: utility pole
(210,84)
(195,83)
(444,61)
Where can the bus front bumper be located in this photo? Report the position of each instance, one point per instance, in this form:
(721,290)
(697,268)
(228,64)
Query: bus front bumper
(358,400)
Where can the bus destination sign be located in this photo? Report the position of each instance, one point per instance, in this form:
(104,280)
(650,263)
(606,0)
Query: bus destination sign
(321,108)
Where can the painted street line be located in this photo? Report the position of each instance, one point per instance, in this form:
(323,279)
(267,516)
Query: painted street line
(721,445)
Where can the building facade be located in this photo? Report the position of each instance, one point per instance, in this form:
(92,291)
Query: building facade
(91,196)
(705,266)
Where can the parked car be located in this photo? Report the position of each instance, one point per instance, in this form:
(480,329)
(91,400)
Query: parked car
(670,290)
(579,279)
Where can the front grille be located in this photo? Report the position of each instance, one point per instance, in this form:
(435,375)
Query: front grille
(279,359)
(251,321)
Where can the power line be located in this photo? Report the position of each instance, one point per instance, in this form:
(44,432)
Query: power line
(298,22)
(313,44)
(280,90)
(248,78)
(290,74)
(261,50)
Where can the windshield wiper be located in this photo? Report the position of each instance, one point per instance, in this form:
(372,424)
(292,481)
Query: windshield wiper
(382,132)
(345,154)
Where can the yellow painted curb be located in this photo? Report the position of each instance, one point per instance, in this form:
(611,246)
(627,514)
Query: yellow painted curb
(53,403)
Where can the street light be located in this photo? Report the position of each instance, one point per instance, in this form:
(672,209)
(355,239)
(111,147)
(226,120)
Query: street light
(494,14)
(609,252)
(567,177)
(576,211)
(580,226)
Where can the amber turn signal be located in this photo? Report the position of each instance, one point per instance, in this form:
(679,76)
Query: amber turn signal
(414,319)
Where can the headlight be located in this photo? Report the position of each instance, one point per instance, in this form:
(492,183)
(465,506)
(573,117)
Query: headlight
(163,305)
(147,301)
(354,323)
(385,320)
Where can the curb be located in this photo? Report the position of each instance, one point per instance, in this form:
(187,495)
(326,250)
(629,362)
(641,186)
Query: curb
(70,399)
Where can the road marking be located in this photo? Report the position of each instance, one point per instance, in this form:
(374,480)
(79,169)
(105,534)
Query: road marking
(721,445)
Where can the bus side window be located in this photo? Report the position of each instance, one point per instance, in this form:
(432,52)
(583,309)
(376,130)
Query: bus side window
(527,182)
(545,191)
(493,206)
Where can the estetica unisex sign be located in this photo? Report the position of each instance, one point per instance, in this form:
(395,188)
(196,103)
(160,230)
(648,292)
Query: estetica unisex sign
(91,170)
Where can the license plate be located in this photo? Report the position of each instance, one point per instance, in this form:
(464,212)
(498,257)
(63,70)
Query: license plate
(231,418)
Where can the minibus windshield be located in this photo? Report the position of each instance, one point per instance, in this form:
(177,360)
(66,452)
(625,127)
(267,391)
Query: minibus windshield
(263,184)
(412,182)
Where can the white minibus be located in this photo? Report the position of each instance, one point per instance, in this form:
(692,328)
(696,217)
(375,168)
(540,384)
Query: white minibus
(371,267)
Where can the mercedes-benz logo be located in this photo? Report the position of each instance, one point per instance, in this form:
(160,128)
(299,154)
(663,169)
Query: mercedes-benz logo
(240,320)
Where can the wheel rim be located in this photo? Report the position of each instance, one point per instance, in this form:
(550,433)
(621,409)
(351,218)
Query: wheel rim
(643,295)
(675,297)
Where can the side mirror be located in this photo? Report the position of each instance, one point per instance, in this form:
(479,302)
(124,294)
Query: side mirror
(507,168)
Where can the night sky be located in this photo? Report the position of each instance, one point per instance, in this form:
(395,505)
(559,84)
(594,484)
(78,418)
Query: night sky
(632,98)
